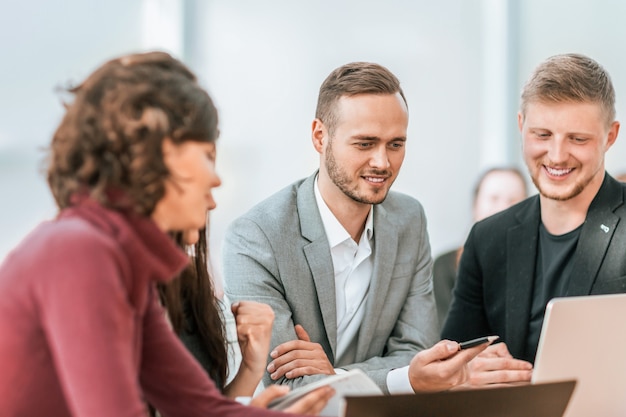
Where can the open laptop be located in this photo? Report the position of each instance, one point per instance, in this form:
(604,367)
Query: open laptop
(584,338)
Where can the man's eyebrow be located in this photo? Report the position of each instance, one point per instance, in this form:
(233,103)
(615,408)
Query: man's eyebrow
(372,138)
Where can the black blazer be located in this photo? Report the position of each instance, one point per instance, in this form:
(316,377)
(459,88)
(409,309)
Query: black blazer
(496,272)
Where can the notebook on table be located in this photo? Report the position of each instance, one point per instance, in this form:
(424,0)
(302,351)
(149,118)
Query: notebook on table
(584,338)
(353,382)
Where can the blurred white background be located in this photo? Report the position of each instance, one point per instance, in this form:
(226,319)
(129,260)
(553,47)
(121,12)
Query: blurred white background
(461,63)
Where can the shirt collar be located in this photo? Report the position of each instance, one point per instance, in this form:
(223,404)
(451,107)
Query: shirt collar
(335,232)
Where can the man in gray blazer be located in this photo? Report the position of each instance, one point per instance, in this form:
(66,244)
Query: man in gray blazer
(344,262)
(568,240)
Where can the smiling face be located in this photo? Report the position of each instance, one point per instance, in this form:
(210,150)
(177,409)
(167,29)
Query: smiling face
(564,145)
(362,159)
(188,189)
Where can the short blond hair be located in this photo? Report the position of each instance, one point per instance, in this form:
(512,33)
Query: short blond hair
(570,78)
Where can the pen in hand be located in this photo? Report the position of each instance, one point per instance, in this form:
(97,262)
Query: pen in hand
(478,341)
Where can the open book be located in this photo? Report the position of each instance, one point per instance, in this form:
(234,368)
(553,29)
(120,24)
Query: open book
(353,382)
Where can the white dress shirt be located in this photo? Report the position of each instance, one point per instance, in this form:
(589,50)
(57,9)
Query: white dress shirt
(353,265)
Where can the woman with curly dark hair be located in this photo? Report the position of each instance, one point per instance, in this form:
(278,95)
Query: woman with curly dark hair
(82,330)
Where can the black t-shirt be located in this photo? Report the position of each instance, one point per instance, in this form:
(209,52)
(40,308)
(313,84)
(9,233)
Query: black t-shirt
(552,274)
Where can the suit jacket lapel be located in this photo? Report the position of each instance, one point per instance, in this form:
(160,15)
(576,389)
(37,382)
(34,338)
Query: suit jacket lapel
(385,248)
(595,237)
(522,254)
(317,253)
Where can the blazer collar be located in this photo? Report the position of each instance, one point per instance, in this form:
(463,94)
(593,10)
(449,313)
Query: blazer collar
(318,257)
(521,249)
(595,236)
(317,253)
(386,235)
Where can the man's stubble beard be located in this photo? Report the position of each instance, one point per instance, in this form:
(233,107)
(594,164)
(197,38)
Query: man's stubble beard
(342,180)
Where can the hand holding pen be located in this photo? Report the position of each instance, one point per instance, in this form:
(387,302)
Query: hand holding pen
(444,366)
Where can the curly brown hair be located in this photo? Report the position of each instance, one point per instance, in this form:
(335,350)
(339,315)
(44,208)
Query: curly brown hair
(109,141)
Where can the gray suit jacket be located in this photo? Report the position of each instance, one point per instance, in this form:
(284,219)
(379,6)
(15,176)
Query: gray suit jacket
(278,254)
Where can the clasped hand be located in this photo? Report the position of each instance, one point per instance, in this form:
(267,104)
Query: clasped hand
(254,332)
(299,358)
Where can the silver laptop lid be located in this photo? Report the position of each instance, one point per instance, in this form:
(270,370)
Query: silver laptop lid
(584,338)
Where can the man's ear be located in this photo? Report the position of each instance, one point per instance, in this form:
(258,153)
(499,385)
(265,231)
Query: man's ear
(520,121)
(319,135)
(612,136)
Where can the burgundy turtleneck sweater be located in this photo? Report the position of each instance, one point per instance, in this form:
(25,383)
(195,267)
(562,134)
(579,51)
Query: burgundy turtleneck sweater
(81,329)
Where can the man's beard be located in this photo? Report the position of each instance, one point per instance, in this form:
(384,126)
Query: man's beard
(342,180)
(578,188)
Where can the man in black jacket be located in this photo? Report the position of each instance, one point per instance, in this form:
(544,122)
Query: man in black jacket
(569,240)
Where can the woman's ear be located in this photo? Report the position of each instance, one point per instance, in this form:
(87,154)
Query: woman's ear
(167,147)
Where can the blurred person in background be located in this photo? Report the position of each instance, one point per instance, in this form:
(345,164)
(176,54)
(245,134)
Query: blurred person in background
(497,189)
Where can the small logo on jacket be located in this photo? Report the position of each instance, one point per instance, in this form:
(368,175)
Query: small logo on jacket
(604,228)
